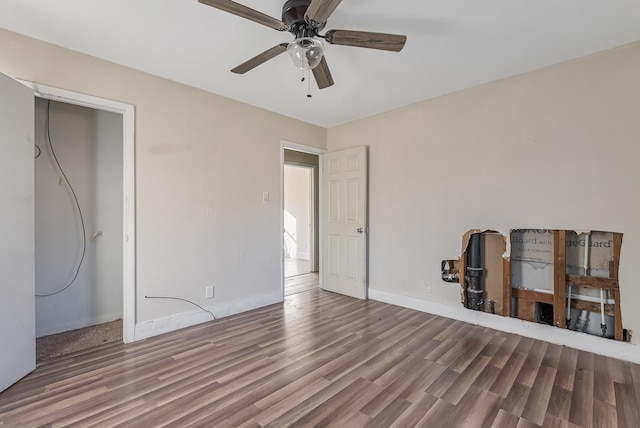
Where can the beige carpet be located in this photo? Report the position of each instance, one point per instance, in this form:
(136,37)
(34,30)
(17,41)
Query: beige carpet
(48,347)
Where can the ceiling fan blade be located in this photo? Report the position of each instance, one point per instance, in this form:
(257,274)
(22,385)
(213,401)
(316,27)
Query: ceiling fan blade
(323,75)
(319,10)
(260,59)
(246,12)
(364,39)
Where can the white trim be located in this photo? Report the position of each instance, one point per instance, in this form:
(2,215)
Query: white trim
(146,329)
(320,220)
(170,323)
(585,342)
(302,148)
(314,151)
(312,217)
(281,233)
(129,215)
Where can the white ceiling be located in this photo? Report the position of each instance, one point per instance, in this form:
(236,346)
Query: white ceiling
(451,45)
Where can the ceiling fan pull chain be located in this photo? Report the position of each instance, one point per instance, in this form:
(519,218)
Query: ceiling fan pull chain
(309,84)
(302,73)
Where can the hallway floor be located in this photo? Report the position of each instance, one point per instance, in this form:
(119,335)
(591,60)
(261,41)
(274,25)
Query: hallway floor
(294,267)
(301,283)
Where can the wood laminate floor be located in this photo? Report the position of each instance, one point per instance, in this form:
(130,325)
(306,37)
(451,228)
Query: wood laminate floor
(301,283)
(295,267)
(322,359)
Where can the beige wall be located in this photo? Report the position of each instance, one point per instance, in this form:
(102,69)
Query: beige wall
(554,148)
(202,164)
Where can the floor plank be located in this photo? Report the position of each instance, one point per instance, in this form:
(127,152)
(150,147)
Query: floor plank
(328,360)
(294,267)
(301,283)
(626,405)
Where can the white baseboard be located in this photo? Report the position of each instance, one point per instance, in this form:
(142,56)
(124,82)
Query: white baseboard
(146,329)
(75,324)
(585,342)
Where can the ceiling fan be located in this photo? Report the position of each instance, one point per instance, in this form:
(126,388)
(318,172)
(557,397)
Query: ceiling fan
(305,19)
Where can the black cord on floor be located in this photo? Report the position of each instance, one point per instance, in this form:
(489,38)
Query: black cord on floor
(180,298)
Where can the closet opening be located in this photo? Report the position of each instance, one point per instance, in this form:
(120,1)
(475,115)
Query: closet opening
(79,227)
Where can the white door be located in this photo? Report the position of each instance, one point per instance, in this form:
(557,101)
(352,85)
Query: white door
(17,246)
(344,202)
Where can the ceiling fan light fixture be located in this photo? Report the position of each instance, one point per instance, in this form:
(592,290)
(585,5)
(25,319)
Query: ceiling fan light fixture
(306,52)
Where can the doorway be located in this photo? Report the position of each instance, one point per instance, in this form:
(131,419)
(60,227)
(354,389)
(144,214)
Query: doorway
(78,227)
(300,221)
(127,239)
(342,221)
(18,104)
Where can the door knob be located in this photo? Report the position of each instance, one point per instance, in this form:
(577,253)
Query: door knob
(362,229)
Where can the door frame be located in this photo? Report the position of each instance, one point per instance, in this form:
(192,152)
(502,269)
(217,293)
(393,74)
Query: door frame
(128,167)
(314,151)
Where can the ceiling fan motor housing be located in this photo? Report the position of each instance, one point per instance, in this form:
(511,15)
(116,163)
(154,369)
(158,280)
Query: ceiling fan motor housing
(293,17)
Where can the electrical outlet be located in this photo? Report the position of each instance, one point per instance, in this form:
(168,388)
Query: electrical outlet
(209,291)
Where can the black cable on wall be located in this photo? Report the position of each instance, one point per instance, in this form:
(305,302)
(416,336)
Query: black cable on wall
(47,131)
(180,298)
